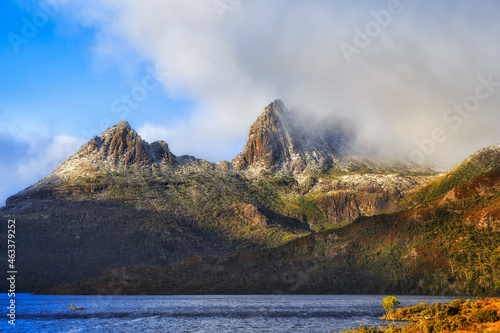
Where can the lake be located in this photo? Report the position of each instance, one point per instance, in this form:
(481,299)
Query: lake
(268,313)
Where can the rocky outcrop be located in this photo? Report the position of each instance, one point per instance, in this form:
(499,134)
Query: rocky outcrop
(252,214)
(119,145)
(345,198)
(280,140)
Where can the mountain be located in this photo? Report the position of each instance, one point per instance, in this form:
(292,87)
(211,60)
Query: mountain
(117,148)
(280,140)
(450,246)
(288,142)
(120,201)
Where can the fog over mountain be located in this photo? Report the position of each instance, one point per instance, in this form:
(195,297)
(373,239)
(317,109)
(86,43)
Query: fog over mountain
(394,69)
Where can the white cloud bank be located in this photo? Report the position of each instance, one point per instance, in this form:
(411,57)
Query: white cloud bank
(29,157)
(402,72)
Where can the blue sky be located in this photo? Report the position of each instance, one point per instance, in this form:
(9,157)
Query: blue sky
(55,90)
(219,63)
(56,73)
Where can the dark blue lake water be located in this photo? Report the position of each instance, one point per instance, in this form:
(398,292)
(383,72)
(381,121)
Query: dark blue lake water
(274,313)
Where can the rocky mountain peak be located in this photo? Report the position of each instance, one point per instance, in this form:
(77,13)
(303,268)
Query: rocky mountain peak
(274,116)
(121,144)
(268,139)
(118,146)
(123,124)
(281,140)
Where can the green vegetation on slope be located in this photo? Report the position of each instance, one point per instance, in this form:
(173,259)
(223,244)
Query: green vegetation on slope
(215,201)
(149,215)
(439,249)
(480,163)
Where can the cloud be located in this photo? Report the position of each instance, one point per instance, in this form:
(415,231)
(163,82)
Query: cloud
(29,157)
(409,67)
(46,154)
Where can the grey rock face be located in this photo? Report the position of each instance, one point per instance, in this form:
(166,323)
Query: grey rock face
(281,140)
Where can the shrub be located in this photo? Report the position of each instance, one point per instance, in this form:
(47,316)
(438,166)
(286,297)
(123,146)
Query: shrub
(484,315)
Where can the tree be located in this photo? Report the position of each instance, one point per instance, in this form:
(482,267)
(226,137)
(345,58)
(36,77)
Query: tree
(389,303)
